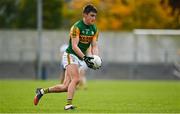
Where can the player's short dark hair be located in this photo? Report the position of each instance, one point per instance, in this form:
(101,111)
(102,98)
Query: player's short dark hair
(89,8)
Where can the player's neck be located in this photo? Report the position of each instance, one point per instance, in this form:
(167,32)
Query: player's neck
(85,22)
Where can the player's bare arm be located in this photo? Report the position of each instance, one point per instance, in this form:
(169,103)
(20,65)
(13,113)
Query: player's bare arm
(94,49)
(94,44)
(75,47)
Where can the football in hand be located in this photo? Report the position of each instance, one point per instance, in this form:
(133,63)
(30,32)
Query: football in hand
(97,61)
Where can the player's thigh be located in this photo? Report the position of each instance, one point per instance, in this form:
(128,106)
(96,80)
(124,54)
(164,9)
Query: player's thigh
(72,71)
(66,82)
(67,78)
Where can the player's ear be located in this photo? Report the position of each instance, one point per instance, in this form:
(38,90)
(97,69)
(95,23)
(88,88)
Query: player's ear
(85,14)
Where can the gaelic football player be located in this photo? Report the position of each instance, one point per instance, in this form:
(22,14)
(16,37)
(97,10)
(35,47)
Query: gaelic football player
(82,34)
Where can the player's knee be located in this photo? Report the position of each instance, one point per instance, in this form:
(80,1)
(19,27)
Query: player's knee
(62,88)
(77,80)
(65,88)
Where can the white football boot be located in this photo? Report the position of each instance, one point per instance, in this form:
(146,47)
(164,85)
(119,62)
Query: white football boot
(69,107)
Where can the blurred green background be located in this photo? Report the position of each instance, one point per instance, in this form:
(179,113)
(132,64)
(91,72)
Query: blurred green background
(112,14)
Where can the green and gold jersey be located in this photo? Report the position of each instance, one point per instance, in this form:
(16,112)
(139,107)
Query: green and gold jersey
(86,34)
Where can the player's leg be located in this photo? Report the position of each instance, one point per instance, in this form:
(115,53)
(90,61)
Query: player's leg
(54,89)
(60,87)
(57,88)
(83,79)
(62,75)
(82,82)
(73,72)
(82,74)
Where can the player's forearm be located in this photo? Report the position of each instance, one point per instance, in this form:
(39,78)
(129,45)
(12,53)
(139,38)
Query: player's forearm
(78,51)
(95,50)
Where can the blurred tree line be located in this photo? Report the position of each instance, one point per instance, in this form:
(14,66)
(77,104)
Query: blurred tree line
(112,14)
(22,14)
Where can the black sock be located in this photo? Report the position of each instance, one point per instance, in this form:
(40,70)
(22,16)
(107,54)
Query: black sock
(69,101)
(46,90)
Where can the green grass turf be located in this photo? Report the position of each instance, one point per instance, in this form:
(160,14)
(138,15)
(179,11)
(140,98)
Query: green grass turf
(102,96)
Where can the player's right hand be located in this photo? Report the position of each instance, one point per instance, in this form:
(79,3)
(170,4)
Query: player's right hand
(88,61)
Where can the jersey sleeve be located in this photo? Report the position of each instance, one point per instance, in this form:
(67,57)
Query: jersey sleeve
(95,37)
(74,32)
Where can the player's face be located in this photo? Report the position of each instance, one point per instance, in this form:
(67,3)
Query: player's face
(90,18)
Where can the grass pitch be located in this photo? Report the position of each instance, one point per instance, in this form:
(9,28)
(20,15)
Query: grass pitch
(102,96)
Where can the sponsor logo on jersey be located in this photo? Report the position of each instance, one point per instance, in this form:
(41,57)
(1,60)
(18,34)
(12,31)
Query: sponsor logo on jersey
(85,39)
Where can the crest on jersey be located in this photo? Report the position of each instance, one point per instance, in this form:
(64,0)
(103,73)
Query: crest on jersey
(87,30)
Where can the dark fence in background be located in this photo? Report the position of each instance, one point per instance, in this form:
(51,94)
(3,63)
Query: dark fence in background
(107,71)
